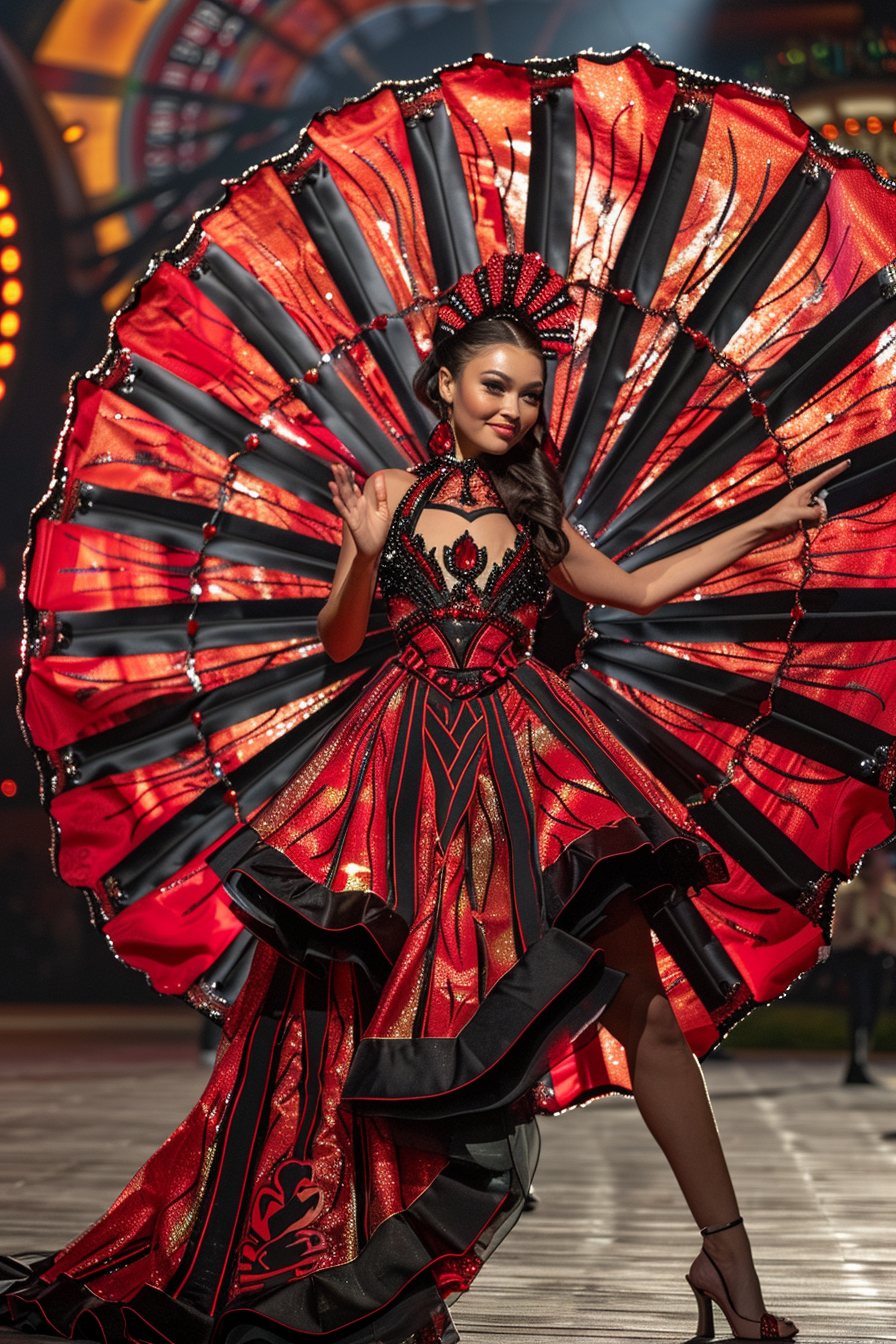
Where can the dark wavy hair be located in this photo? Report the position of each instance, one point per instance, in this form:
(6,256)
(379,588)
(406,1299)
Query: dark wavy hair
(527,482)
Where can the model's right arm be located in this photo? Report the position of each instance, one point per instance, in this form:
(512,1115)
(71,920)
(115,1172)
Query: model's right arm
(342,623)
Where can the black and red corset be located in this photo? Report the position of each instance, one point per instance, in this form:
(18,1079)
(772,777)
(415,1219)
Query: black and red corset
(464,585)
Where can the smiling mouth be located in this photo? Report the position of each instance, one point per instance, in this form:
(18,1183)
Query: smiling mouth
(506,431)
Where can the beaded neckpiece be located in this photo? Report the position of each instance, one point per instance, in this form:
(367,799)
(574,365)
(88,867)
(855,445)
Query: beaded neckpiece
(460,623)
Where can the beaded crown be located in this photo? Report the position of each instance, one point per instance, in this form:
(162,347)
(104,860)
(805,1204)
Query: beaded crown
(521,287)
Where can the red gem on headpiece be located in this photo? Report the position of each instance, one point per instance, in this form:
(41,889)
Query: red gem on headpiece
(252,441)
(758,409)
(626,296)
(209,531)
(312,376)
(230,796)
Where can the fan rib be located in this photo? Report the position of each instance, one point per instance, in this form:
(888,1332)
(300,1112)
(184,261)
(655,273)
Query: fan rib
(267,325)
(160,733)
(761,848)
(809,728)
(723,308)
(843,615)
(163,629)
(550,200)
(641,262)
(172,523)
(443,193)
(209,817)
(355,273)
(187,410)
(797,377)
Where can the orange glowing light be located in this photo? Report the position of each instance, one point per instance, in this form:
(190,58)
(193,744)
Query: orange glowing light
(11,291)
(9,788)
(851,126)
(73,132)
(7,354)
(9,324)
(2,389)
(10,259)
(4,197)
(8,225)
(875,125)
(830,131)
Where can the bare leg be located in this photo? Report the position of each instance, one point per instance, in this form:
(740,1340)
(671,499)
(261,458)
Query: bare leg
(671,1095)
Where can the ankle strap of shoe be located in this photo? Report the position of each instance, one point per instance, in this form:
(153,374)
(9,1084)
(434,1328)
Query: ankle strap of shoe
(723,1227)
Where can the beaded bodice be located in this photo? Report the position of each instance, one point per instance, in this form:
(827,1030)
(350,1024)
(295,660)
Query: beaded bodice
(464,585)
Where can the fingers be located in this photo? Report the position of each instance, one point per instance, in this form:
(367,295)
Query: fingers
(343,488)
(380,492)
(819,481)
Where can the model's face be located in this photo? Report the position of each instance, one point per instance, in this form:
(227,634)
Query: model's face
(495,399)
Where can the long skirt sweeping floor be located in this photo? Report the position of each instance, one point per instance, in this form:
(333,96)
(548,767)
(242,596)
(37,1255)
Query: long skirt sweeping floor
(87,1094)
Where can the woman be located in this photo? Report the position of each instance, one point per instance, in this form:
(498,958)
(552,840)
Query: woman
(448,899)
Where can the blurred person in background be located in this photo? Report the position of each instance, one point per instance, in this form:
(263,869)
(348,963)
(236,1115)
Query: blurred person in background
(864,945)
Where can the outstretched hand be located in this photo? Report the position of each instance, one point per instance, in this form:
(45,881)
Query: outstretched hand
(366,517)
(801,505)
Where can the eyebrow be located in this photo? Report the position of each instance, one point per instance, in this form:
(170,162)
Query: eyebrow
(505,377)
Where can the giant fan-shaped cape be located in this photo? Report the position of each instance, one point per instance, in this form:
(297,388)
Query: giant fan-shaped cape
(735,332)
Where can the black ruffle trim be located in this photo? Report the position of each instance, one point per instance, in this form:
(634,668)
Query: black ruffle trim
(303,920)
(658,871)
(383,1295)
(525,1024)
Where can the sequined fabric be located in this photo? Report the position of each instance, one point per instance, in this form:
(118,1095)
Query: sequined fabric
(440,820)
(418,881)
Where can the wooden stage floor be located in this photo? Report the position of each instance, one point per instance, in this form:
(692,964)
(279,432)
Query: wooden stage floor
(87,1095)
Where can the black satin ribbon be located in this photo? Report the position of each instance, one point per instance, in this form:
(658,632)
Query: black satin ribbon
(447,214)
(169,522)
(808,727)
(643,255)
(188,410)
(809,366)
(552,178)
(163,628)
(274,334)
(353,267)
(726,304)
(730,820)
(832,615)
(163,732)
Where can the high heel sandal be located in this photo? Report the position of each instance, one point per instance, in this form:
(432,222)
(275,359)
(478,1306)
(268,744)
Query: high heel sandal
(768,1324)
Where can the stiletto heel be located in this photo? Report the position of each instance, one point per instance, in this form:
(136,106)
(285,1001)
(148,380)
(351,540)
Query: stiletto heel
(705,1327)
(769,1327)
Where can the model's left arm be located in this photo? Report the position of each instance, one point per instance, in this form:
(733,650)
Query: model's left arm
(593,578)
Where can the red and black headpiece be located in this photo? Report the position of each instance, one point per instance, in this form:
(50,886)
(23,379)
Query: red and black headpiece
(520,287)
